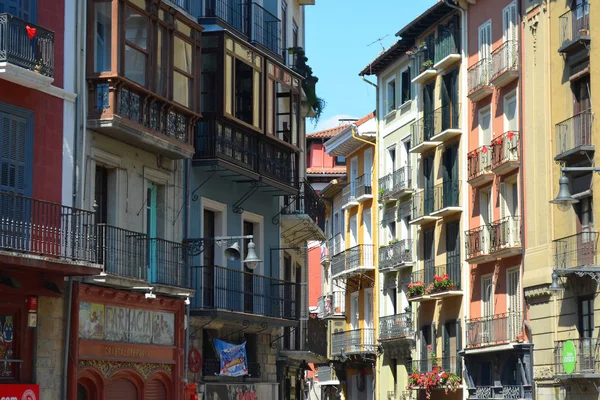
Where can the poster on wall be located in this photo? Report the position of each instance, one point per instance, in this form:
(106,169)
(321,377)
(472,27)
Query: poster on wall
(233,358)
(91,321)
(116,324)
(163,328)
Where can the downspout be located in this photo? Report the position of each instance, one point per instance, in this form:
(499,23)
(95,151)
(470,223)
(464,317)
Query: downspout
(354,135)
(80,27)
(186,216)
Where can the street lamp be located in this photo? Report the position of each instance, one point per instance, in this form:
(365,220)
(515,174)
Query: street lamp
(555,286)
(564,198)
(232,252)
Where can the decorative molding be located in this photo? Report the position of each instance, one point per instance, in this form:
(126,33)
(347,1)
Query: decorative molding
(108,368)
(543,372)
(538,291)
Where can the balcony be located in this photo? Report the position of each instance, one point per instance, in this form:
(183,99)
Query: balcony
(355,260)
(447,49)
(356,341)
(211,368)
(448,364)
(431,283)
(396,255)
(334,305)
(574,136)
(304,214)
(336,245)
(135,115)
(168,263)
(349,195)
(501,391)
(221,289)
(505,153)
(422,132)
(327,376)
(399,326)
(478,77)
(493,330)
(424,61)
(26,60)
(245,151)
(364,190)
(249,19)
(422,208)
(576,253)
(505,63)
(574,29)
(586,356)
(478,243)
(480,166)
(42,235)
(123,252)
(505,237)
(395,185)
(446,123)
(447,199)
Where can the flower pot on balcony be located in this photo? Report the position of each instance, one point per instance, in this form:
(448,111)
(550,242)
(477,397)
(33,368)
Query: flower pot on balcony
(584,32)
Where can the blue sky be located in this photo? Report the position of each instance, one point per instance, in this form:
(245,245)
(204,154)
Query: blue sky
(338,33)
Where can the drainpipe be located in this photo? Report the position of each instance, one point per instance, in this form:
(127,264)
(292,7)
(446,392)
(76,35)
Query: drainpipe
(186,216)
(354,135)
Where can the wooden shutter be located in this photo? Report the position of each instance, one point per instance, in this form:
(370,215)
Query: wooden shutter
(15,155)
(121,389)
(458,347)
(445,341)
(503,206)
(155,390)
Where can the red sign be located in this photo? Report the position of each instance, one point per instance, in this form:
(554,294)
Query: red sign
(32,304)
(19,392)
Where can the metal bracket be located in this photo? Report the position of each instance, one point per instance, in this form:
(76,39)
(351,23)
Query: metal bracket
(213,170)
(594,275)
(275,220)
(191,335)
(245,323)
(273,343)
(254,186)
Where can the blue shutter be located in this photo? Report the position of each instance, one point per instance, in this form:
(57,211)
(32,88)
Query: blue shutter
(15,165)
(24,9)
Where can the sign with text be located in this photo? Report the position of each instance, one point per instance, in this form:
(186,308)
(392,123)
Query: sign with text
(233,358)
(19,392)
(569,357)
(126,325)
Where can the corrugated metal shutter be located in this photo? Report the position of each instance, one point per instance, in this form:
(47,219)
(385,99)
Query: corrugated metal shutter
(121,389)
(155,390)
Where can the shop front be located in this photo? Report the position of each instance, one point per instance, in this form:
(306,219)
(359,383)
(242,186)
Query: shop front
(125,346)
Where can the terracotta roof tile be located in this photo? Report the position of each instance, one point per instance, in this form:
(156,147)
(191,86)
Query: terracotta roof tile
(327,133)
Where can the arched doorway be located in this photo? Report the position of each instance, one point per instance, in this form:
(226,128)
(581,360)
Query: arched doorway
(121,389)
(155,390)
(87,386)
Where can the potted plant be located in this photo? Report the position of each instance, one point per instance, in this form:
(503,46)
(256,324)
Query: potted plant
(39,67)
(381,192)
(416,289)
(584,32)
(442,283)
(426,65)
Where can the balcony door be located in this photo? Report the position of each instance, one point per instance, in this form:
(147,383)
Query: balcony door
(151,229)
(428,255)
(453,259)
(450,171)
(513,280)
(509,30)
(354,311)
(450,100)
(353,176)
(369,332)
(208,260)
(390,164)
(353,231)
(248,228)
(511,124)
(582,124)
(582,17)
(485,330)
(367,249)
(428,201)
(428,116)
(587,353)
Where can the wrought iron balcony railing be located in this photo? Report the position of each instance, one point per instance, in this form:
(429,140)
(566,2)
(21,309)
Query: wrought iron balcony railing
(505,58)
(336,244)
(338,264)
(222,139)
(587,357)
(501,391)
(396,326)
(505,148)
(494,329)
(478,241)
(45,229)
(307,202)
(364,186)
(221,288)
(422,204)
(360,256)
(505,233)
(233,13)
(168,263)
(479,162)
(123,252)
(449,364)
(349,193)
(425,58)
(353,341)
(395,254)
(338,303)
(18,48)
(396,181)
(326,373)
(429,272)
(266,29)
(323,303)
(434,123)
(479,74)
(574,133)
(574,25)
(447,43)
(576,251)
(447,194)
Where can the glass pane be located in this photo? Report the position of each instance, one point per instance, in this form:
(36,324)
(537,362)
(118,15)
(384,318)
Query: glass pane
(160,81)
(135,65)
(183,55)
(182,89)
(136,29)
(102,22)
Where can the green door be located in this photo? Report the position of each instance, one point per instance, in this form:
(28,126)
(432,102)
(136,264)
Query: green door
(151,230)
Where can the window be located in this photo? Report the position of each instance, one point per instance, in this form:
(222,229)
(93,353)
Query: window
(391,159)
(340,160)
(182,72)
(406,85)
(487,294)
(101,195)
(390,97)
(136,46)
(163,46)
(244,91)
(509,23)
(391,231)
(485,126)
(103,38)
(16,136)
(485,40)
(208,100)
(24,9)
(585,325)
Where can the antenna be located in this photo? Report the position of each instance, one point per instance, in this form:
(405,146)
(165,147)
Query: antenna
(379,40)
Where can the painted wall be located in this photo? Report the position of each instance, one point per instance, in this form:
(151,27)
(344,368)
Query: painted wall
(315,276)
(317,156)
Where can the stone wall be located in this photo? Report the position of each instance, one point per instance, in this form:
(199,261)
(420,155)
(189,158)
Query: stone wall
(50,346)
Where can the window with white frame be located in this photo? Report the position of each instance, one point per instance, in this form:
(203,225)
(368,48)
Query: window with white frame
(390,95)
(485,40)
